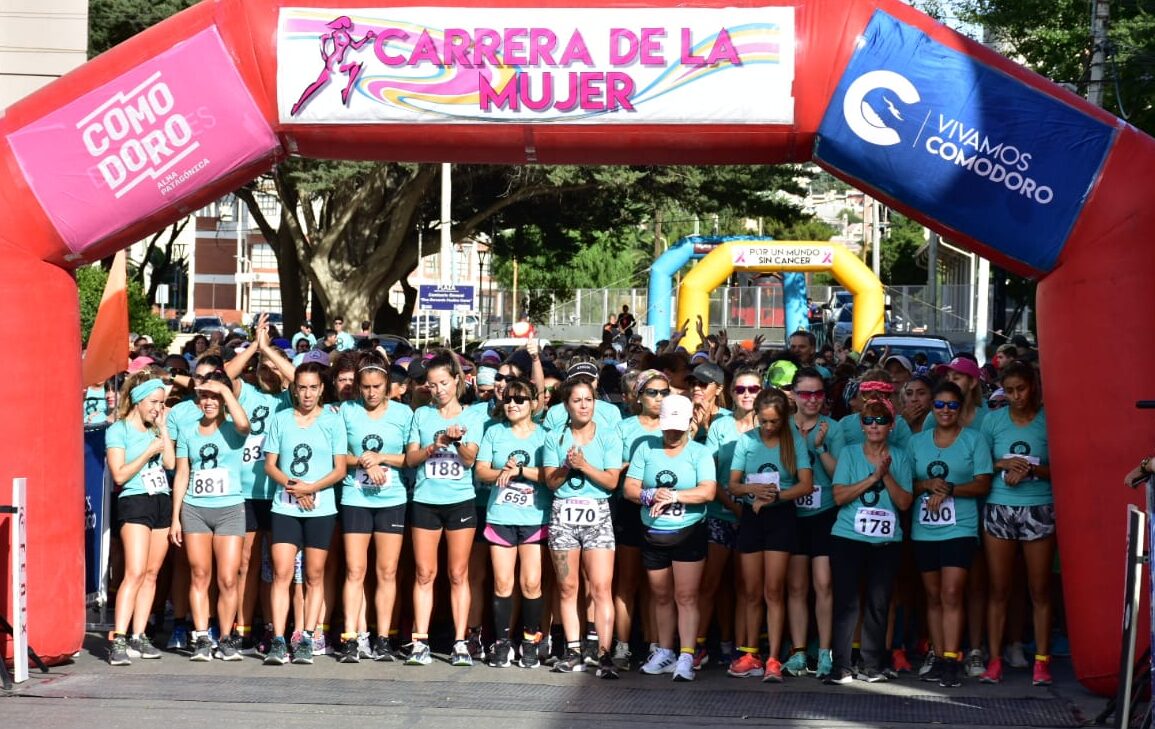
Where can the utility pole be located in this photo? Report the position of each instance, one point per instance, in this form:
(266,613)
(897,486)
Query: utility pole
(1100,13)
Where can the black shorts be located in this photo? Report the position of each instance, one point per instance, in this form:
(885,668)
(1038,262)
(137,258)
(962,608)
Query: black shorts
(933,556)
(371,520)
(481,508)
(258,515)
(773,529)
(450,517)
(814,533)
(312,532)
(628,528)
(153,511)
(690,548)
(514,535)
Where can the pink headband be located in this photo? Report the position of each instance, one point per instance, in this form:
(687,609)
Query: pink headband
(875,386)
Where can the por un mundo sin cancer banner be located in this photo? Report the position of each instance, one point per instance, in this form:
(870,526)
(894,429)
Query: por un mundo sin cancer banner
(536,65)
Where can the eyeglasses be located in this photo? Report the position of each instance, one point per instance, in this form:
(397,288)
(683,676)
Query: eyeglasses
(502,378)
(948,404)
(747,389)
(810,394)
(515,399)
(877,420)
(655,392)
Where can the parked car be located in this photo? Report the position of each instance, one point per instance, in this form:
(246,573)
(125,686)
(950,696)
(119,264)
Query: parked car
(206,325)
(390,342)
(938,350)
(842,326)
(425,327)
(506,345)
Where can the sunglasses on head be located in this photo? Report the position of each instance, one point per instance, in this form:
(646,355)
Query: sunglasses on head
(747,389)
(655,392)
(515,399)
(810,394)
(877,420)
(948,404)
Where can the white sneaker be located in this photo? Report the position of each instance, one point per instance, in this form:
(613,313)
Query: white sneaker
(927,663)
(661,661)
(975,665)
(1015,656)
(684,670)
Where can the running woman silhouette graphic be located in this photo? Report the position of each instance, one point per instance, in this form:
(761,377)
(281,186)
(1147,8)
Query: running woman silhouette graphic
(334,47)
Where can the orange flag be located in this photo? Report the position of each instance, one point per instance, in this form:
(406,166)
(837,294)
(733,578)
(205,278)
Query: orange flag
(107,352)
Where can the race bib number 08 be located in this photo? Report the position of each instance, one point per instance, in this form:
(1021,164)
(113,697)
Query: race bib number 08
(945,516)
(444,465)
(254,445)
(210,482)
(876,523)
(155,482)
(812,500)
(578,512)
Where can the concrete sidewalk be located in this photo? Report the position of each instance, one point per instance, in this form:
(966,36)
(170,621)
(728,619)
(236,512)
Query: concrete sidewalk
(221,695)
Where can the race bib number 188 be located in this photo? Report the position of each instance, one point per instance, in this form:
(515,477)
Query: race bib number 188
(444,465)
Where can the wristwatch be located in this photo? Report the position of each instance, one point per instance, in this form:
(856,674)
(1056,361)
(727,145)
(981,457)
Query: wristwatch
(521,472)
(820,449)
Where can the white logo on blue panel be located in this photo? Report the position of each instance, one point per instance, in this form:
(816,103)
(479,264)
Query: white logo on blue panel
(863,119)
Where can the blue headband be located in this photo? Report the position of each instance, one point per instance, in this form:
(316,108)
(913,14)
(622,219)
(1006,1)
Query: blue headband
(144,389)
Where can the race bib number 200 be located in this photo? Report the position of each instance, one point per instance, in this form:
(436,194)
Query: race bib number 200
(945,516)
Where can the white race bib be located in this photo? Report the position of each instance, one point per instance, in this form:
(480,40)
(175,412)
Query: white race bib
(812,500)
(289,500)
(445,466)
(945,516)
(254,447)
(362,481)
(519,496)
(155,482)
(206,482)
(876,523)
(769,477)
(577,512)
(1033,460)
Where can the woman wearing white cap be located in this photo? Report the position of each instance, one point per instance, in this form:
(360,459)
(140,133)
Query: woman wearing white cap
(673,482)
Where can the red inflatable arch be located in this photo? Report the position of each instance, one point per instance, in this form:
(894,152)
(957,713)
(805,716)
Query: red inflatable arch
(1000,160)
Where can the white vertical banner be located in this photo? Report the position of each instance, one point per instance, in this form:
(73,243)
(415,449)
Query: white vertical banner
(19,549)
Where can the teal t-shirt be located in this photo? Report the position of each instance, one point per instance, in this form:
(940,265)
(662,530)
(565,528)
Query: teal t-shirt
(443,478)
(215,465)
(852,434)
(721,439)
(606,415)
(958,463)
(872,517)
(656,469)
(752,456)
(1028,441)
(822,498)
(604,451)
(633,434)
(306,454)
(259,407)
(522,502)
(151,478)
(704,433)
(95,406)
(386,434)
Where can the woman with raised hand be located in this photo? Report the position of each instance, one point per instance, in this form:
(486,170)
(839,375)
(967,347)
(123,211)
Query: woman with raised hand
(138,450)
(208,510)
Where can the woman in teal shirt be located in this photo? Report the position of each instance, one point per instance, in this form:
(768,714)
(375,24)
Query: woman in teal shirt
(305,458)
(1020,511)
(138,450)
(208,510)
(952,467)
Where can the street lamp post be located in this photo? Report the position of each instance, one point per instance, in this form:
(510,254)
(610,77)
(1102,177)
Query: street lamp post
(482,254)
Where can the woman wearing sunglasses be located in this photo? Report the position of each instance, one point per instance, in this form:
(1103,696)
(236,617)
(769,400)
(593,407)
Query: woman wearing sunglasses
(875,384)
(510,460)
(872,485)
(673,480)
(1020,512)
(208,510)
(651,388)
(583,462)
(722,522)
(952,467)
(769,472)
(373,504)
(810,563)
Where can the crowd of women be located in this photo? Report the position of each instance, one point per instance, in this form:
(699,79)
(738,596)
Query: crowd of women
(777,513)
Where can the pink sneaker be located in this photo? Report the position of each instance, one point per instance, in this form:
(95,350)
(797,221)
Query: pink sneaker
(1042,673)
(994,672)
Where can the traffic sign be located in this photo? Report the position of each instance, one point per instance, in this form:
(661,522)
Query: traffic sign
(445,298)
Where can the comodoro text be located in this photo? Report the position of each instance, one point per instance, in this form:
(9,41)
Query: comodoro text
(1001,163)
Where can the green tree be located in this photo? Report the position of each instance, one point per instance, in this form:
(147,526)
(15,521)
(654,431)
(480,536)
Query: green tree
(90,282)
(114,21)
(899,265)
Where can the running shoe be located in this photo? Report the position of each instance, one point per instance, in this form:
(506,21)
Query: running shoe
(303,650)
(266,640)
(747,666)
(899,662)
(1015,657)
(933,674)
(975,666)
(825,663)
(249,645)
(277,653)
(349,651)
(321,645)
(607,669)
(364,648)
(501,654)
(295,639)
(994,672)
(545,651)
(838,678)
(214,633)
(118,652)
(1042,673)
(529,654)
(927,663)
(590,652)
(872,675)
(461,655)
(570,662)
(227,649)
(796,664)
(622,656)
(382,651)
(475,646)
(773,671)
(662,661)
(203,649)
(950,675)
(419,655)
(178,640)
(701,658)
(142,647)
(684,670)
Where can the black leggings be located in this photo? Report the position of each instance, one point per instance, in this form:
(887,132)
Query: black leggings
(851,562)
